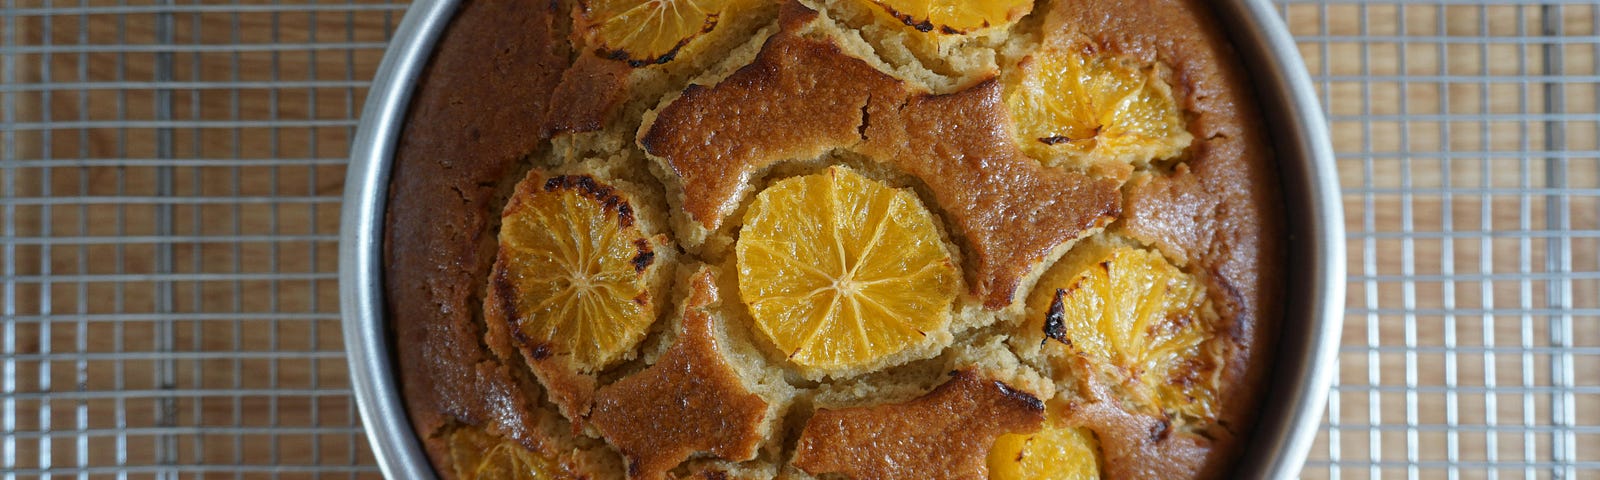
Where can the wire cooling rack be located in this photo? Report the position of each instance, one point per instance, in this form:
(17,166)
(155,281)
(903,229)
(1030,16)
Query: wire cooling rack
(1465,135)
(171,177)
(172,174)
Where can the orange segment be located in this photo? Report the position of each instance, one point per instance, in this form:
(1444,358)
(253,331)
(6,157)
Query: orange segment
(954,17)
(644,32)
(579,268)
(1052,453)
(479,456)
(1077,105)
(841,271)
(1139,318)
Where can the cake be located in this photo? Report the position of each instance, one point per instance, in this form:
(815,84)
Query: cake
(815,239)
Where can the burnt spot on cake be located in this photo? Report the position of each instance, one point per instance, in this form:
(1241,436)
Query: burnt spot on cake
(866,119)
(1160,430)
(606,195)
(1033,402)
(644,258)
(538,351)
(641,60)
(1055,322)
(504,294)
(506,298)
(926,25)
(1060,139)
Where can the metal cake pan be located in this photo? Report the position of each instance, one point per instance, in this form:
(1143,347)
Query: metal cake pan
(1309,334)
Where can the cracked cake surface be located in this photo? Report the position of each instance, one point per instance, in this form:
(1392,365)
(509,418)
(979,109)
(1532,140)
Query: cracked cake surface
(690,401)
(807,239)
(946,433)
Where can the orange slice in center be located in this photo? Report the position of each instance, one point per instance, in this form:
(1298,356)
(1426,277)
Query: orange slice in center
(841,271)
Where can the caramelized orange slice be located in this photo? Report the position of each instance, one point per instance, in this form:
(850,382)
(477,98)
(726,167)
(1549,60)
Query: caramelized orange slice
(841,271)
(954,17)
(479,456)
(645,32)
(1138,317)
(1072,106)
(579,270)
(1053,453)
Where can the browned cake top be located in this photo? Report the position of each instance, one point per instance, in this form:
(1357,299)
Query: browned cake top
(944,434)
(1218,212)
(1012,211)
(568,384)
(802,97)
(690,401)
(472,117)
(1134,445)
(504,79)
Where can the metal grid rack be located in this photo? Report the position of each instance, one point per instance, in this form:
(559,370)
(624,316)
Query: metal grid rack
(171,175)
(1465,135)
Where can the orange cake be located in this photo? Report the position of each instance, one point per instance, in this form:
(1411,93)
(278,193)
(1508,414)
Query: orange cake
(820,239)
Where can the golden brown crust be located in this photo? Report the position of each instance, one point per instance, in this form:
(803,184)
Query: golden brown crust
(589,93)
(715,138)
(485,101)
(944,434)
(689,402)
(1217,214)
(480,108)
(564,385)
(1012,211)
(803,97)
(1173,213)
(1133,445)
(567,385)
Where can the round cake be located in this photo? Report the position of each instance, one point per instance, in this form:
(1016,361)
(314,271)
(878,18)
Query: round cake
(821,239)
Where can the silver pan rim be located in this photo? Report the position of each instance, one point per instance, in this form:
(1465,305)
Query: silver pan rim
(1293,402)
(372,373)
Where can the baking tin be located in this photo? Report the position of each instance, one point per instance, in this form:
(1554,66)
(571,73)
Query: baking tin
(1309,335)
